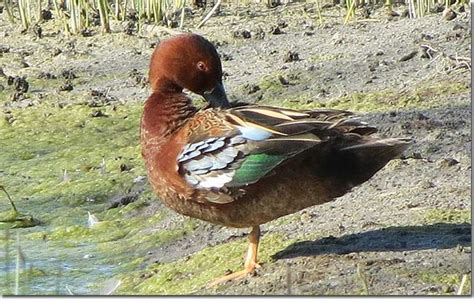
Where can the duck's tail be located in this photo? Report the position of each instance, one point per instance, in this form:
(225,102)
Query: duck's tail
(355,161)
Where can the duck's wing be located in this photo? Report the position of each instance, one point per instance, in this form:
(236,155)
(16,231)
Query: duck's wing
(236,147)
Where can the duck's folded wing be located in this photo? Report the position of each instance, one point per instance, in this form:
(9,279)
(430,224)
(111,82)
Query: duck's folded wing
(238,147)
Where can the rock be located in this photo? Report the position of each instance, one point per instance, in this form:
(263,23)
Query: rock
(124,167)
(24,64)
(448,162)
(426,36)
(68,74)
(138,78)
(46,75)
(283,80)
(20,84)
(282,24)
(392,13)
(251,88)
(366,12)
(226,57)
(449,14)
(427,184)
(38,31)
(276,30)
(245,34)
(4,49)
(291,56)
(98,113)
(67,86)
(139,179)
(46,15)
(123,200)
(56,51)
(459,26)
(87,32)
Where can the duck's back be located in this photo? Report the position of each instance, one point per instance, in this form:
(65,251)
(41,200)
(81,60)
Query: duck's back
(248,165)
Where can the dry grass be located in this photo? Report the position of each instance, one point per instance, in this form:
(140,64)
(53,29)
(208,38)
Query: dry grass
(76,15)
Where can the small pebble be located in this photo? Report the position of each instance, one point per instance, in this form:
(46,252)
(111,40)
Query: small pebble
(291,56)
(66,87)
(449,14)
(448,162)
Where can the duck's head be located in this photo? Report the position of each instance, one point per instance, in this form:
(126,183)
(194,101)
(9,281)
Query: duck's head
(188,61)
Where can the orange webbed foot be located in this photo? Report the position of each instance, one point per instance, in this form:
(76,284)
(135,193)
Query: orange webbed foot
(250,262)
(235,276)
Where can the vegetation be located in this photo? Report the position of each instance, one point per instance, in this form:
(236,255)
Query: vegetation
(78,15)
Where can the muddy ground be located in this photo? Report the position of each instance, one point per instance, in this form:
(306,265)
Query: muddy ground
(70,146)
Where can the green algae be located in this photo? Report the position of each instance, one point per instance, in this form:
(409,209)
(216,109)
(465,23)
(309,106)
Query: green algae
(427,96)
(13,219)
(271,83)
(47,148)
(457,216)
(449,281)
(191,274)
(52,163)
(440,278)
(316,58)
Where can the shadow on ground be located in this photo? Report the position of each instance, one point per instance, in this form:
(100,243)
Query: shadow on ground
(407,238)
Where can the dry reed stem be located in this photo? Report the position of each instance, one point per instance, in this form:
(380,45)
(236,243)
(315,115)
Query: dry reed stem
(463,283)
(363,279)
(209,15)
(9,198)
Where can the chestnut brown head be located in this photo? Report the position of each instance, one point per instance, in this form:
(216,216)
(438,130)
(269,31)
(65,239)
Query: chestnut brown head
(188,61)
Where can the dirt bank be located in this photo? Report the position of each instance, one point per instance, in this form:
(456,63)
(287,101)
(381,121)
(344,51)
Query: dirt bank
(70,146)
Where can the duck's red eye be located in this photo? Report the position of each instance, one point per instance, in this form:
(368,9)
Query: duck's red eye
(201,66)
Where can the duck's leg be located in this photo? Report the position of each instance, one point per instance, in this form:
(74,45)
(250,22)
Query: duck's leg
(250,261)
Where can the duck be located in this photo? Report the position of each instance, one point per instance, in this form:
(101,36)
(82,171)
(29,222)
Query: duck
(242,165)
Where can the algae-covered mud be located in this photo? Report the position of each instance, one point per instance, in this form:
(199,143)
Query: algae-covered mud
(88,223)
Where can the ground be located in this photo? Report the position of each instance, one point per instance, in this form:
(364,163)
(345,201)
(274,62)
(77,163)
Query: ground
(70,148)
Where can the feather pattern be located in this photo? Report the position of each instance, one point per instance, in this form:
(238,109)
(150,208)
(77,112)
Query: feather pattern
(239,146)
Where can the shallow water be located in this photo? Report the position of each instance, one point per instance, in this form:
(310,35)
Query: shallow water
(51,268)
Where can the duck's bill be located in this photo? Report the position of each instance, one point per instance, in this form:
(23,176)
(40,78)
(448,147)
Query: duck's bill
(217,97)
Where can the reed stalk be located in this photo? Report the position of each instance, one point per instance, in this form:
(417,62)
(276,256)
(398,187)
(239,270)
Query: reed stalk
(7,261)
(318,10)
(8,9)
(104,16)
(23,10)
(181,22)
(17,266)
(38,11)
(124,10)
(61,16)
(74,19)
(350,4)
(78,12)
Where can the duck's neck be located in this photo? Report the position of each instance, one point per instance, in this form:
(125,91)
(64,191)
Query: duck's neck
(164,112)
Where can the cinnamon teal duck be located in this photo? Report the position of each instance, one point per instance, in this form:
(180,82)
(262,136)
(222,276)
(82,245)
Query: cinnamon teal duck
(245,165)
